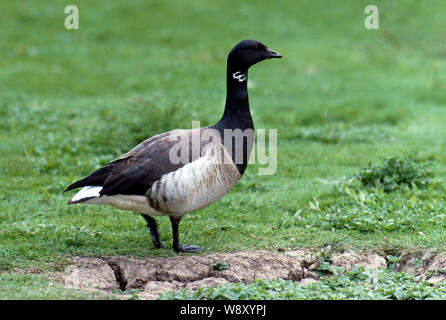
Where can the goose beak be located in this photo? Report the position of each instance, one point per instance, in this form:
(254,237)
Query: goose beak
(272,54)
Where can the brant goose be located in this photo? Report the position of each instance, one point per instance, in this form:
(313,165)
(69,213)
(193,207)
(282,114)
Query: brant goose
(151,181)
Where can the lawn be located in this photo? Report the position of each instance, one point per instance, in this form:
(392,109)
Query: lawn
(343,98)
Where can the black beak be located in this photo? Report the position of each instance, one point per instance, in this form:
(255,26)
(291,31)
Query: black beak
(272,54)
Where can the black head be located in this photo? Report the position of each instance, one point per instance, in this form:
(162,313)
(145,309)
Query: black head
(249,52)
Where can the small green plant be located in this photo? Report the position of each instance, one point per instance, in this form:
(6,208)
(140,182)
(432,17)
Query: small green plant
(394,172)
(327,270)
(392,261)
(326,253)
(322,266)
(374,210)
(366,203)
(131,294)
(417,263)
(220,266)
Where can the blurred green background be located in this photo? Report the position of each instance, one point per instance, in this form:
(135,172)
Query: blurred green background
(72,100)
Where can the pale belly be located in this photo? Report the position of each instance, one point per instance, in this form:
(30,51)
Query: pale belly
(127,202)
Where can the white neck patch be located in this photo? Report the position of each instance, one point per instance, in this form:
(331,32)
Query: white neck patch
(239,76)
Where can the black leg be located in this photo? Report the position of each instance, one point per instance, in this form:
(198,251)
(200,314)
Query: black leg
(151,223)
(176,241)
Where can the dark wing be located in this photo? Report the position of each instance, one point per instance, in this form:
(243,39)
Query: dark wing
(96,178)
(136,171)
(136,175)
(99,177)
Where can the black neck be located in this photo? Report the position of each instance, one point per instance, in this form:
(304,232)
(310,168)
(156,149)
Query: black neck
(237,114)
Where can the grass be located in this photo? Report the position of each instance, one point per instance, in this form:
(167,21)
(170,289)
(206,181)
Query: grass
(342,97)
(357,284)
(30,287)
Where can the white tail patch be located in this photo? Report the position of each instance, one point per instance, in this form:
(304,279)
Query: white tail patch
(90,195)
(87,192)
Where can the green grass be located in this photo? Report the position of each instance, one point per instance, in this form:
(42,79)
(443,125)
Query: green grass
(357,284)
(25,286)
(343,96)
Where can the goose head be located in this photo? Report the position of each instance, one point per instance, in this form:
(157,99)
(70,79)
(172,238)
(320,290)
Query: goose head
(249,52)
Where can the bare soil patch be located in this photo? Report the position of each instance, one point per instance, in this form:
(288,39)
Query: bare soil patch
(157,275)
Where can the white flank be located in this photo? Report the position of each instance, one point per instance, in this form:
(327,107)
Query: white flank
(87,192)
(121,201)
(197,184)
(127,202)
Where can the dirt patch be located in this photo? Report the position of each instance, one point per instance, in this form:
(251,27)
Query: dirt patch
(157,275)
(349,259)
(415,263)
(90,273)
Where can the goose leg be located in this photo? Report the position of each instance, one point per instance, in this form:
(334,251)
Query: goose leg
(151,224)
(176,241)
